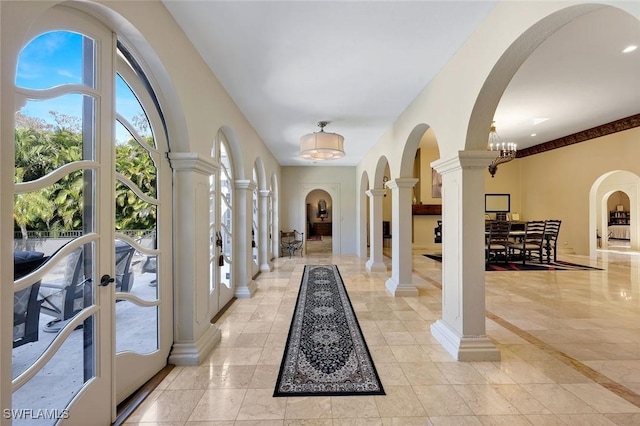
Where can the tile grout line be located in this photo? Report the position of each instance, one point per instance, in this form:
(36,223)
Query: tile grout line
(604,381)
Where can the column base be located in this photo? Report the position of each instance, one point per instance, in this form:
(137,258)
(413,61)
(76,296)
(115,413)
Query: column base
(245,292)
(375,266)
(266,267)
(193,353)
(400,290)
(464,348)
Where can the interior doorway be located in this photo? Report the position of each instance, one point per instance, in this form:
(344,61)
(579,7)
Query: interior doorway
(619,219)
(614,212)
(319,222)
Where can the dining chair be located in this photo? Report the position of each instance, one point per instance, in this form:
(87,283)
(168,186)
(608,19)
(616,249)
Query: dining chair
(532,241)
(551,238)
(497,241)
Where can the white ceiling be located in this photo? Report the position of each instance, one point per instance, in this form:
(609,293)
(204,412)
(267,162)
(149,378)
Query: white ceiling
(290,64)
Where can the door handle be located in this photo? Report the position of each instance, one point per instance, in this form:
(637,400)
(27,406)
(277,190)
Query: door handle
(106,280)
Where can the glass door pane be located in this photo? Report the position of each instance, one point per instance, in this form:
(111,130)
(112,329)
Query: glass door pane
(226,215)
(143,311)
(136,217)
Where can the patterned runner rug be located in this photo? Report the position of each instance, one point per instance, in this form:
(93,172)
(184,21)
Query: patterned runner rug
(325,352)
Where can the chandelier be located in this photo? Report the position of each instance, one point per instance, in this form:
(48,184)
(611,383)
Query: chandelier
(322,145)
(506,150)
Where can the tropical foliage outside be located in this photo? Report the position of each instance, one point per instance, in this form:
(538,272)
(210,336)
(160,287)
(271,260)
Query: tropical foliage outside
(42,148)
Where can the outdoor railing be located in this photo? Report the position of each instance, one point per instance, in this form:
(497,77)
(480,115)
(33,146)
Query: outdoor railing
(133,233)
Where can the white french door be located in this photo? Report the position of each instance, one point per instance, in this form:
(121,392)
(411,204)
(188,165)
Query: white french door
(101,325)
(143,309)
(221,227)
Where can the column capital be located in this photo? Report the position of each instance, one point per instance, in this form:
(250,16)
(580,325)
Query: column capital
(192,161)
(402,183)
(245,184)
(464,160)
(376,192)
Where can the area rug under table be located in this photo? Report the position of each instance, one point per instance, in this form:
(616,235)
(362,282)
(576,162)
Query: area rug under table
(531,266)
(325,352)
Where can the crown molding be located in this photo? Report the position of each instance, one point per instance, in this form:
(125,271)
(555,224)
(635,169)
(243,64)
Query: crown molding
(585,135)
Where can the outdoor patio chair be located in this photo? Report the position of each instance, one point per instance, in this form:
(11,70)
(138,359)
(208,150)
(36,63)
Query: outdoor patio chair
(26,306)
(150,264)
(65,298)
(124,274)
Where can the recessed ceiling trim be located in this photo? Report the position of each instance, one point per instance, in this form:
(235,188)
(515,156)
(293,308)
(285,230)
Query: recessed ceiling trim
(585,135)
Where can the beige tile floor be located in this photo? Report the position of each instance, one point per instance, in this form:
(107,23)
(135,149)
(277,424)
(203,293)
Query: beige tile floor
(569,340)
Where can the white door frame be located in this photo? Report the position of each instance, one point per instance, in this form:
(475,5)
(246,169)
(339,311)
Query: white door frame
(333,189)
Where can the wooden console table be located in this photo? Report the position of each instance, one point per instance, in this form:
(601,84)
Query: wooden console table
(322,228)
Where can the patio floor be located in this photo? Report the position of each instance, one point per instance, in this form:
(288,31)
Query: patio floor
(62,377)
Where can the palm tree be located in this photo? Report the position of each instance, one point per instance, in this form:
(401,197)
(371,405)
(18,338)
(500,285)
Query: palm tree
(134,162)
(30,208)
(40,149)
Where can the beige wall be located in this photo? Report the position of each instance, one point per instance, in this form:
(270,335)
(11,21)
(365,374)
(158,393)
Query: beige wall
(556,184)
(386,200)
(506,181)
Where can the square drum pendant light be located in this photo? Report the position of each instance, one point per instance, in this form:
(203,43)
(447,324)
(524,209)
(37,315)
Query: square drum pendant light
(322,145)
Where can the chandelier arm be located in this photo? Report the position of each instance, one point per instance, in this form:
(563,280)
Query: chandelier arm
(506,151)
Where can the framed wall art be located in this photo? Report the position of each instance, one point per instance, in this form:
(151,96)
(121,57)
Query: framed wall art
(436,184)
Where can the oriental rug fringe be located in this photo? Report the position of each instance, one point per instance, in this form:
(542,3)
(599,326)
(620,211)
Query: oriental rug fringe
(326,353)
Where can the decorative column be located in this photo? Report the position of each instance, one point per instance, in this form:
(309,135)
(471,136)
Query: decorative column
(275,226)
(194,335)
(263,217)
(462,328)
(401,281)
(375,262)
(242,259)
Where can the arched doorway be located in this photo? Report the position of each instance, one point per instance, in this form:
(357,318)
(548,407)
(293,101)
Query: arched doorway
(613,211)
(319,222)
(619,218)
